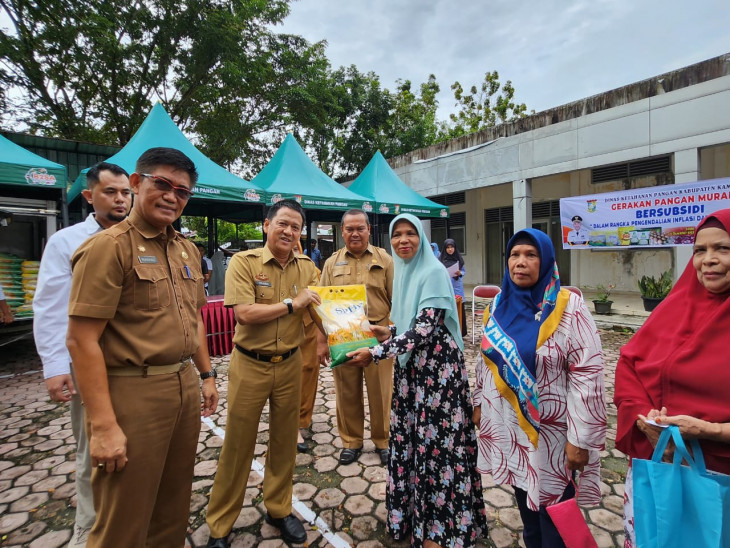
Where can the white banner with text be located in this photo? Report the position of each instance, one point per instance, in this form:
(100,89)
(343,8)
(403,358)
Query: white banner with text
(660,216)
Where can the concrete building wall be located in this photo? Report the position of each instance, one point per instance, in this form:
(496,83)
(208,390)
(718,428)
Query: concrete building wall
(555,154)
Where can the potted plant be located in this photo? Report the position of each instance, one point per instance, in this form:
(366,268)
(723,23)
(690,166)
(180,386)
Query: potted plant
(653,290)
(602,303)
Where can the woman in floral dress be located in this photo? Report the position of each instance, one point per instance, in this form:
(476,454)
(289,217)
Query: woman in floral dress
(434,492)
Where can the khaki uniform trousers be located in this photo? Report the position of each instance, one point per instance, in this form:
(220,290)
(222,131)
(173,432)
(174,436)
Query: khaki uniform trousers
(148,503)
(310,375)
(250,384)
(351,402)
(84,495)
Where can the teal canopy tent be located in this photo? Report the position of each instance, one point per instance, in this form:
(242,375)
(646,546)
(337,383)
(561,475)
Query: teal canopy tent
(20,167)
(218,192)
(388,195)
(24,174)
(291,174)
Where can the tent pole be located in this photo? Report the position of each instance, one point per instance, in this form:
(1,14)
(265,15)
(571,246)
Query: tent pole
(212,234)
(64,208)
(263,218)
(376,235)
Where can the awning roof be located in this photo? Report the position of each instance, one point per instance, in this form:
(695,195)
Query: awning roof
(215,183)
(291,174)
(20,167)
(391,196)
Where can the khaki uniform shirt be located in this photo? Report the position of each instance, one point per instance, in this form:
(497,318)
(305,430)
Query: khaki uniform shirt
(256,277)
(374,269)
(149,287)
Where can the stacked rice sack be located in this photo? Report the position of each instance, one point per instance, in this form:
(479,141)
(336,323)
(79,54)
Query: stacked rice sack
(29,274)
(18,279)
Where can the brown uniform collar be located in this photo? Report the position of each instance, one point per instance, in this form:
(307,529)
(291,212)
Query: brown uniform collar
(267,256)
(146,229)
(368,249)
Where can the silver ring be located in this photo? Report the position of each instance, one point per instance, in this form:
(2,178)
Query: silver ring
(101,466)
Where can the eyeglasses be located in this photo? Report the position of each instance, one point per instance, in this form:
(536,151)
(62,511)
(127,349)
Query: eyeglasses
(163,185)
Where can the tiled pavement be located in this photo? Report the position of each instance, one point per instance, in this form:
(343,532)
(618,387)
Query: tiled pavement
(347,502)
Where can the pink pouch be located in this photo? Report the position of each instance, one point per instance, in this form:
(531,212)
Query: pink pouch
(570,523)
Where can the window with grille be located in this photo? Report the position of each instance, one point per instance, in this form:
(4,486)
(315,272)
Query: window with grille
(627,170)
(454,198)
(454,227)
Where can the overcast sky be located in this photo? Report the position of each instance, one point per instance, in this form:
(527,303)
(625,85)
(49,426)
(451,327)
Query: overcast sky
(554,51)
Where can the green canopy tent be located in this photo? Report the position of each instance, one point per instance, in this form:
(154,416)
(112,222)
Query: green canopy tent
(389,196)
(218,193)
(20,167)
(291,174)
(30,186)
(24,174)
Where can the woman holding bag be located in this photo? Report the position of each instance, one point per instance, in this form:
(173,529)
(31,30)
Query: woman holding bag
(675,370)
(539,400)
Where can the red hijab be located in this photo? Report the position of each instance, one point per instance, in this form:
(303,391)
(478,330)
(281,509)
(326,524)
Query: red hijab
(679,360)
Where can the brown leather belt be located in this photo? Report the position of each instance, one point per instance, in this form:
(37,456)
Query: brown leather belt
(147,370)
(272,358)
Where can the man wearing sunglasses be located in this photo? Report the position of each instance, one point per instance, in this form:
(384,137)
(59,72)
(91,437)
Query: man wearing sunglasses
(134,325)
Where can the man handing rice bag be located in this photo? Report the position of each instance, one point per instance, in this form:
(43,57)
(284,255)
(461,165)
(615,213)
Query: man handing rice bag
(343,312)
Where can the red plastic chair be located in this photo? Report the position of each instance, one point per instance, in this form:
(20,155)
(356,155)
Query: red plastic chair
(219,324)
(483,293)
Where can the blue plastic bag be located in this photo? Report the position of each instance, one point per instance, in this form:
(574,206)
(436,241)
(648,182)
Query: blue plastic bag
(676,505)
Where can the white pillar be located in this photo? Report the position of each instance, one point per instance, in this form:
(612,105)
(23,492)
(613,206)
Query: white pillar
(686,170)
(51,219)
(522,204)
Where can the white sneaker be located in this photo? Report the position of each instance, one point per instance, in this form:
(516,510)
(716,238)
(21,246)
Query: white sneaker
(78,539)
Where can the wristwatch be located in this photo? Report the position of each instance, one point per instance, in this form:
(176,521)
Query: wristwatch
(289,305)
(212,373)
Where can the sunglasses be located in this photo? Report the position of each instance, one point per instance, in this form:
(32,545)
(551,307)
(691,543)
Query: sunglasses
(163,185)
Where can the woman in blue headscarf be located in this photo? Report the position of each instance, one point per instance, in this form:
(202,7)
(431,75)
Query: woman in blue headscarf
(434,493)
(539,400)
(435,248)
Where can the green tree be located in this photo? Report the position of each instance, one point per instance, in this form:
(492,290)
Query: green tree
(350,123)
(227,231)
(484,106)
(362,117)
(90,69)
(413,123)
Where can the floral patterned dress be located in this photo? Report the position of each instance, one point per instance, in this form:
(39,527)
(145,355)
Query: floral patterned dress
(434,490)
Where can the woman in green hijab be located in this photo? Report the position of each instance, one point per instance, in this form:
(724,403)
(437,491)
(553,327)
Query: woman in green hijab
(434,493)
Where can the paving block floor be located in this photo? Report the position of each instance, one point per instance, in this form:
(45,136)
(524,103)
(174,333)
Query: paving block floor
(343,505)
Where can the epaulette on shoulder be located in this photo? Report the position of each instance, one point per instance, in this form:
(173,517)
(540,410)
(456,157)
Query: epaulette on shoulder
(251,252)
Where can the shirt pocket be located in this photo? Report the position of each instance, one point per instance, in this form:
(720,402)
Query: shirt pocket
(190,281)
(264,294)
(151,288)
(376,277)
(339,273)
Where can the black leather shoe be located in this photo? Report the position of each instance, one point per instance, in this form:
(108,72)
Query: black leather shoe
(384,455)
(303,447)
(290,527)
(217,542)
(349,456)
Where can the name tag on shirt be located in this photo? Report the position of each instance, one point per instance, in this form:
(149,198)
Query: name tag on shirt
(264,284)
(147,259)
(342,263)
